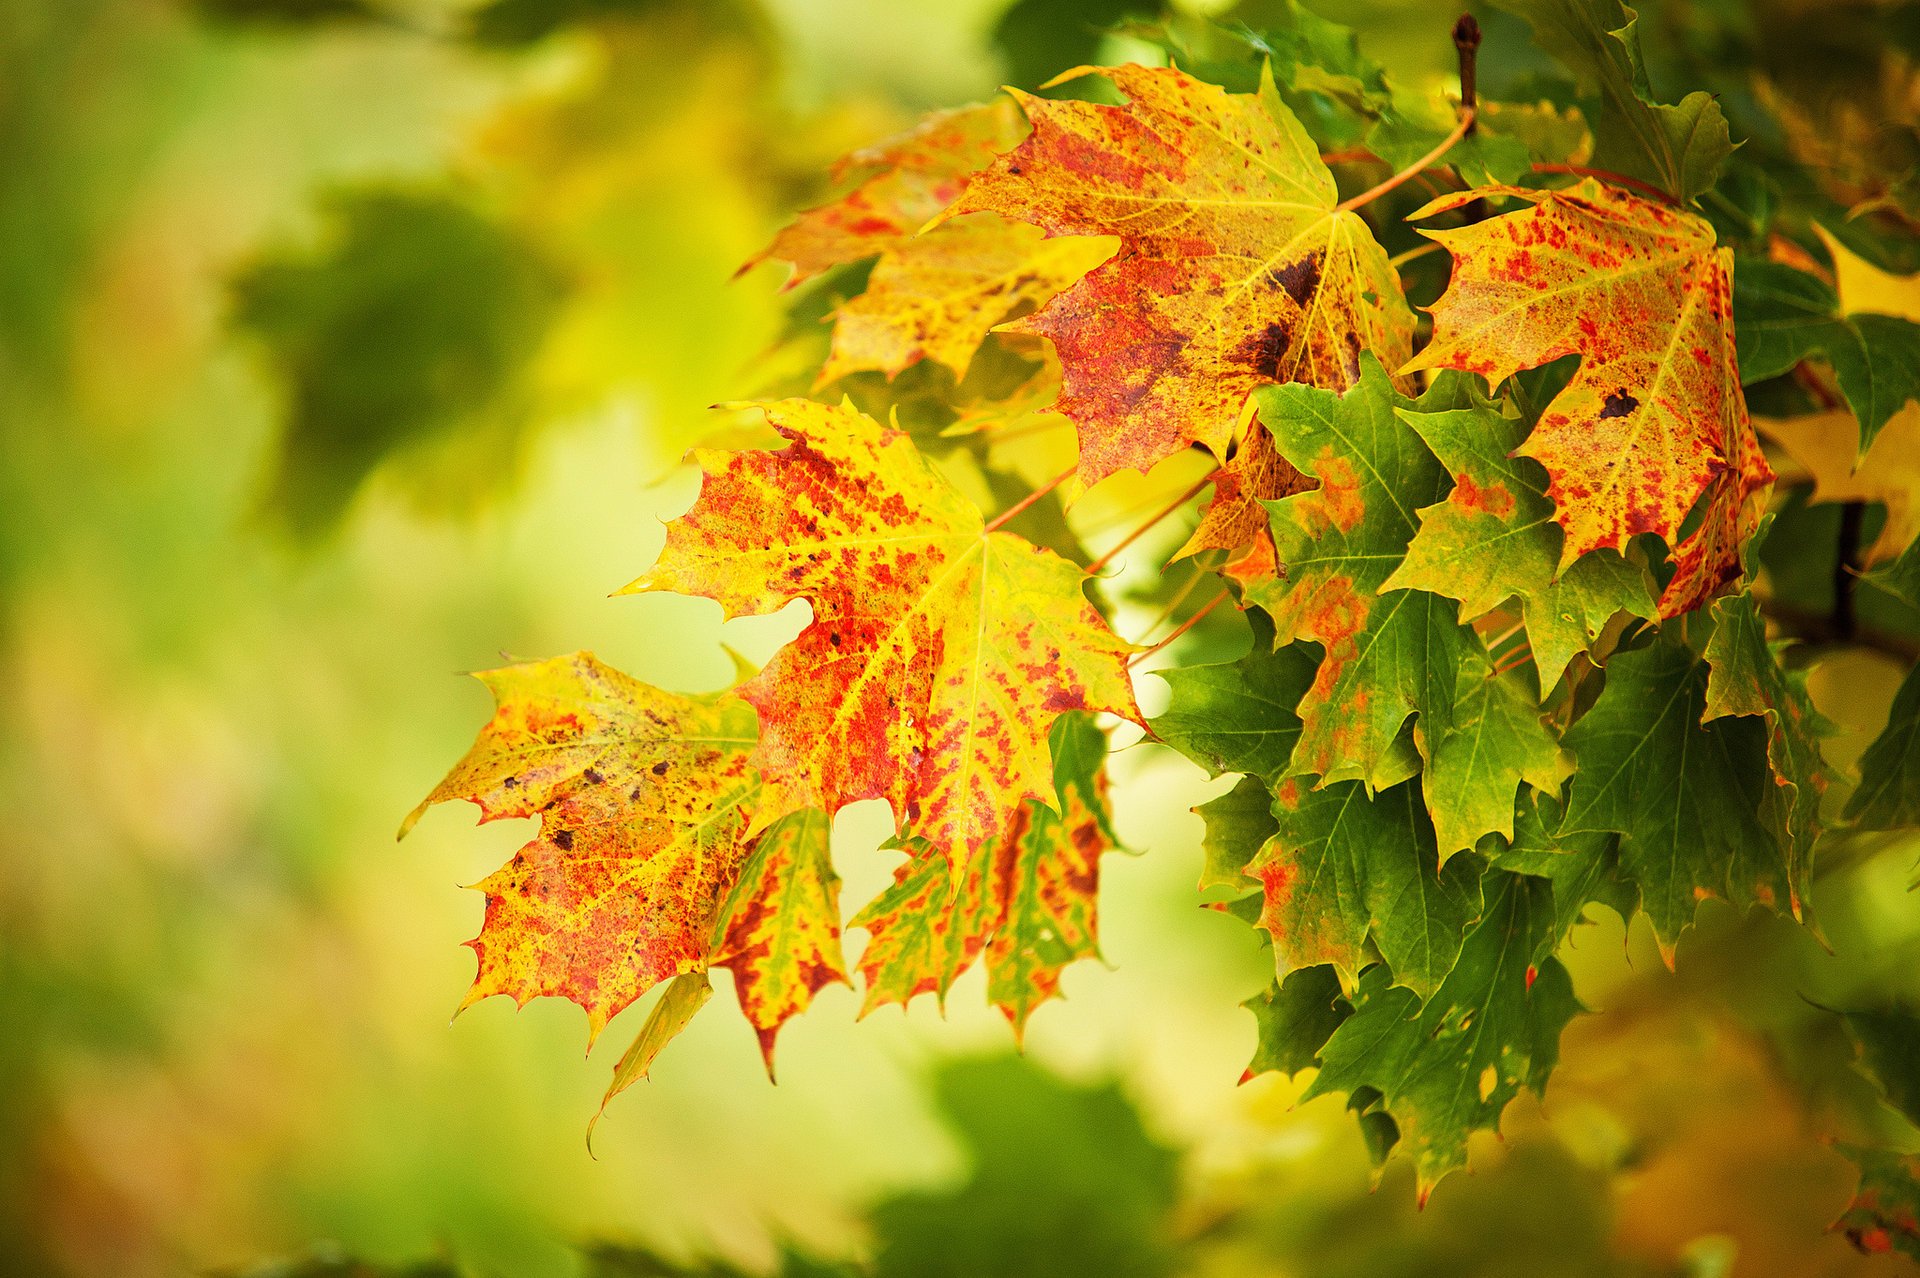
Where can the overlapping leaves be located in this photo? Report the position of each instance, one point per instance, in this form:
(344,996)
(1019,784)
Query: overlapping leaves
(1417,819)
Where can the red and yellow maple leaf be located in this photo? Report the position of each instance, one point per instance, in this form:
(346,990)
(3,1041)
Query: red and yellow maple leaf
(933,296)
(940,650)
(643,798)
(1236,267)
(1028,902)
(781,926)
(1654,418)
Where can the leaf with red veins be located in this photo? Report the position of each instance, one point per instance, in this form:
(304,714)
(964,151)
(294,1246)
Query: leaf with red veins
(939,653)
(1654,417)
(643,798)
(780,931)
(1235,268)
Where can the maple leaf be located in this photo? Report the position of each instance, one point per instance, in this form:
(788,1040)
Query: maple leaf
(1294,1018)
(939,653)
(1889,794)
(938,297)
(1887,472)
(1236,516)
(781,925)
(1782,316)
(1237,825)
(1343,869)
(907,181)
(1746,677)
(1654,418)
(1238,716)
(643,798)
(1387,654)
(1028,902)
(1235,268)
(1678,149)
(1447,1067)
(1583,867)
(1494,538)
(1684,795)
(934,296)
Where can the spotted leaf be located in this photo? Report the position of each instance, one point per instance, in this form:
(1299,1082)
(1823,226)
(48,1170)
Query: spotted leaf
(939,653)
(1235,269)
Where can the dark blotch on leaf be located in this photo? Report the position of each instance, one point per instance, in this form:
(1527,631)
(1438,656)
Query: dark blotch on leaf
(1619,404)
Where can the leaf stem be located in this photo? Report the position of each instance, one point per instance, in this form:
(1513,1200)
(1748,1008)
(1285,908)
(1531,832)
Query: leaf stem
(1399,260)
(1607,175)
(1013,511)
(1183,627)
(1413,170)
(1141,529)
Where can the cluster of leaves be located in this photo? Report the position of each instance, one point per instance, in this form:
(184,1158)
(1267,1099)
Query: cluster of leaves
(1512,655)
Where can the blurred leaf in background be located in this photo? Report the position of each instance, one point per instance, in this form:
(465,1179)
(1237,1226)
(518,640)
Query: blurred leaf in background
(418,315)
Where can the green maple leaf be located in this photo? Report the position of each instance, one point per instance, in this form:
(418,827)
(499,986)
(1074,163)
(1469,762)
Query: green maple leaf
(1782,316)
(1385,656)
(1295,1018)
(1343,869)
(1677,148)
(1583,868)
(1389,653)
(1900,577)
(1495,538)
(1238,716)
(1685,796)
(1447,1067)
(1238,825)
(1889,793)
(1746,678)
(1494,741)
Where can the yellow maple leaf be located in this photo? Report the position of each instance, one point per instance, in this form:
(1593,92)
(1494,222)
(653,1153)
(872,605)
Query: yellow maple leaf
(1236,267)
(643,798)
(1827,443)
(1654,418)
(935,295)
(940,651)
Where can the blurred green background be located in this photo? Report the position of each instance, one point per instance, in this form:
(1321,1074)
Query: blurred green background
(345,346)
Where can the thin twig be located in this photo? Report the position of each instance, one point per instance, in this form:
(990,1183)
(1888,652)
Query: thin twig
(1412,171)
(1014,510)
(1399,260)
(1606,175)
(1183,627)
(1141,529)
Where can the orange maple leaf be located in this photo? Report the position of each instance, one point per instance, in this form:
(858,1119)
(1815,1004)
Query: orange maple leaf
(940,650)
(935,295)
(1654,418)
(1236,518)
(643,798)
(1236,267)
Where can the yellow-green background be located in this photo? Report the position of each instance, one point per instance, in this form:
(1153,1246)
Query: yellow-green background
(225,988)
